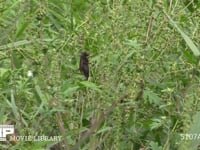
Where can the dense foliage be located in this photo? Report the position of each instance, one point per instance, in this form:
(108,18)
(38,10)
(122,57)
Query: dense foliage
(143,89)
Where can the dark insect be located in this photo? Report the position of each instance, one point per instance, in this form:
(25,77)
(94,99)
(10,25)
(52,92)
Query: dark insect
(84,64)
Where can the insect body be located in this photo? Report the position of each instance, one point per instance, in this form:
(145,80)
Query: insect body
(84,64)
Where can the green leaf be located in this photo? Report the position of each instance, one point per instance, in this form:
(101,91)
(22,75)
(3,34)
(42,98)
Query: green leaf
(133,43)
(187,39)
(90,85)
(156,123)
(21,43)
(3,71)
(105,129)
(69,92)
(40,95)
(14,44)
(151,97)
(22,29)
(155,146)
(190,58)
(12,105)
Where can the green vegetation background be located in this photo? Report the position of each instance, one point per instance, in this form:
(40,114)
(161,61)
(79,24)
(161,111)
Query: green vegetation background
(143,90)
